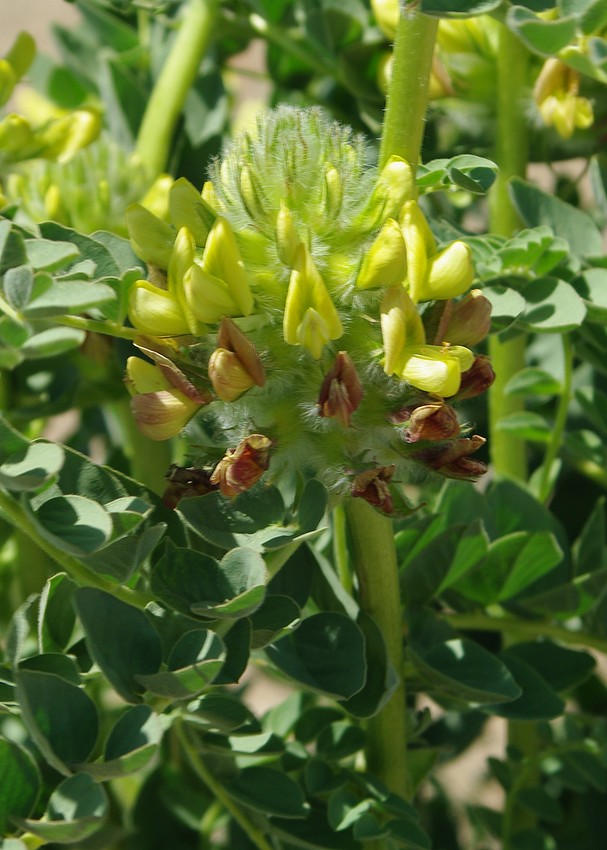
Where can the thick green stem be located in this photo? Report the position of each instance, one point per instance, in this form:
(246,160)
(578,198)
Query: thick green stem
(407,97)
(376,567)
(172,86)
(12,511)
(560,421)
(508,453)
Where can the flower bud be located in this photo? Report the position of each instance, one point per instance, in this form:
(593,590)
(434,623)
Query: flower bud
(62,138)
(250,194)
(332,192)
(556,95)
(437,421)
(151,238)
(419,243)
(470,320)
(21,54)
(234,367)
(477,379)
(401,326)
(8,79)
(16,135)
(155,311)
(187,209)
(243,466)
(450,273)
(385,263)
(163,399)
(310,317)
(387,13)
(221,260)
(454,461)
(372,486)
(287,240)
(395,185)
(341,391)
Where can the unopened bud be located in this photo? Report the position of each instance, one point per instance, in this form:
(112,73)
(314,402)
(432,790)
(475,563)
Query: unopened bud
(401,326)
(287,240)
(221,259)
(310,317)
(372,486)
(243,466)
(333,192)
(395,185)
(434,422)
(470,320)
(385,263)
(419,243)
(250,194)
(234,367)
(187,209)
(477,379)
(341,391)
(454,461)
(151,238)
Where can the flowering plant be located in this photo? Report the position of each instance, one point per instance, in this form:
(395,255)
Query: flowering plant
(289,409)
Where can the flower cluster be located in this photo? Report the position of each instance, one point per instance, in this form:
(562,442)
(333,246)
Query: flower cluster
(311,312)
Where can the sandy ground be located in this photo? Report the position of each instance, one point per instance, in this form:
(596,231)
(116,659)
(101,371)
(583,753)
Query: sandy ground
(35,16)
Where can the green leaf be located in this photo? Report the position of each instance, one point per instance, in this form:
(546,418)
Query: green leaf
(193,664)
(50,255)
(459,7)
(226,713)
(241,588)
(531,382)
(271,620)
(381,678)
(312,506)
(19,784)
(590,550)
(54,297)
(552,306)
(105,266)
(541,804)
(132,744)
(543,36)
(195,583)
(340,740)
(76,809)
(526,426)
(326,653)
(592,286)
(54,662)
(269,791)
(51,342)
(575,226)
(74,524)
(18,284)
(59,716)
(120,639)
(228,522)
(531,558)
(31,467)
(538,701)
(561,667)
(458,666)
(506,305)
(311,722)
(407,834)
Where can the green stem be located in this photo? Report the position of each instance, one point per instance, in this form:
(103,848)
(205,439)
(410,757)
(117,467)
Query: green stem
(172,86)
(407,97)
(560,421)
(96,326)
(508,453)
(340,547)
(255,835)
(525,628)
(376,567)
(12,511)
(149,459)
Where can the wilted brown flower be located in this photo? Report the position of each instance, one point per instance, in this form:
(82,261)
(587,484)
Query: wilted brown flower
(234,366)
(436,421)
(341,391)
(372,486)
(243,466)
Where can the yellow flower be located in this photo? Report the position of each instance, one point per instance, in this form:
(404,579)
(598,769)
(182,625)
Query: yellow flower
(556,95)
(310,317)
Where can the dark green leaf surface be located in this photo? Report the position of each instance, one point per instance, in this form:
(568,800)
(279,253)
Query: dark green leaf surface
(76,810)
(121,640)
(19,784)
(268,791)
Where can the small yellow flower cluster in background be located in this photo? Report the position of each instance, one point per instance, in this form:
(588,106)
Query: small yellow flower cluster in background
(290,292)
(556,96)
